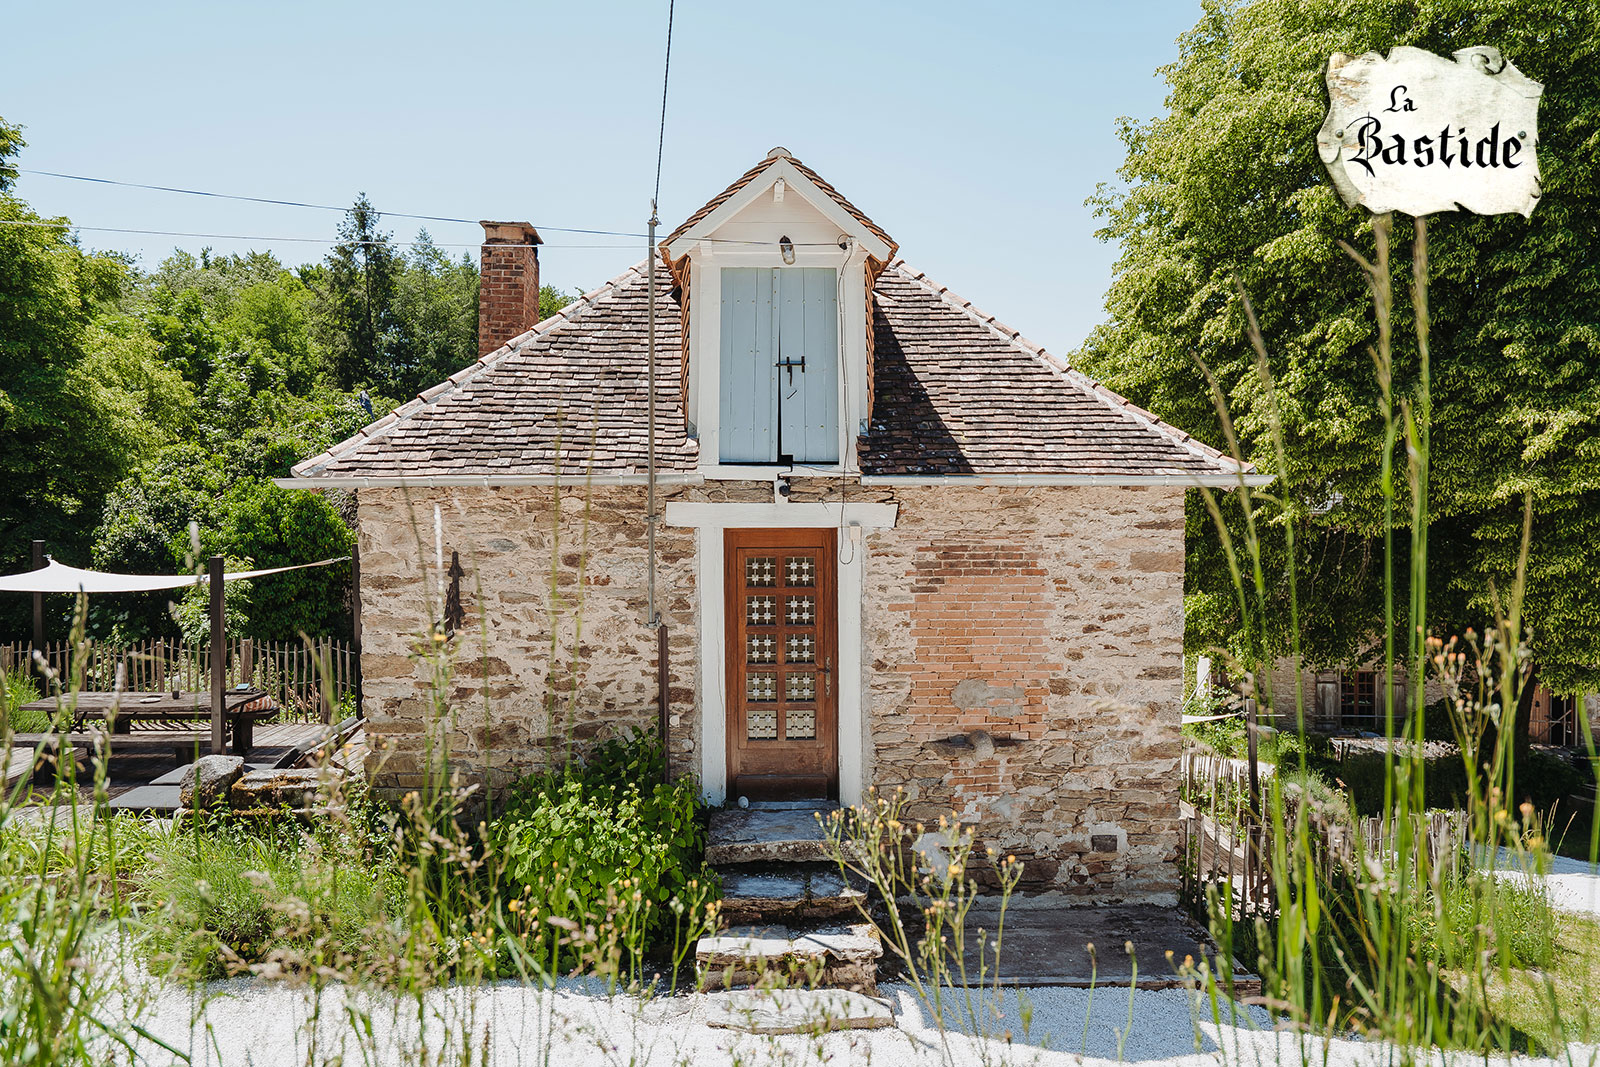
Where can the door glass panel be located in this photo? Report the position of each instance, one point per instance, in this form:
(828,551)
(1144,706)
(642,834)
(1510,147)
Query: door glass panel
(760,610)
(761,725)
(800,570)
(761,648)
(799,648)
(800,725)
(800,685)
(800,610)
(761,571)
(761,687)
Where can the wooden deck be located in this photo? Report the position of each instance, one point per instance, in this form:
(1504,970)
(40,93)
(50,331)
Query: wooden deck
(144,778)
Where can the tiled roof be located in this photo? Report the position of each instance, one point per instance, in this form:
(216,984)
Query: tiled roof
(750,175)
(575,380)
(956,393)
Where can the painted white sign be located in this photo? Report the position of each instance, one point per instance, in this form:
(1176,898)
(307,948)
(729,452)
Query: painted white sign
(1419,133)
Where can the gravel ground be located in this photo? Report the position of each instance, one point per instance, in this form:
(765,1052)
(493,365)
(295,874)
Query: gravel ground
(1574,885)
(251,1023)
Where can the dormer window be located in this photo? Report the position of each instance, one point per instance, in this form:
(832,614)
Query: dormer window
(779,364)
(774,276)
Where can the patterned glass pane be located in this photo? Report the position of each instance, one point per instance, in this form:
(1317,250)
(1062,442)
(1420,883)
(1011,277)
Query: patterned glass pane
(761,725)
(800,725)
(800,570)
(799,648)
(761,687)
(800,685)
(800,610)
(761,570)
(761,648)
(760,610)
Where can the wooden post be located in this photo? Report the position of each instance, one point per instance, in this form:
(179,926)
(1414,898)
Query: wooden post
(219,660)
(355,617)
(1250,748)
(38,604)
(661,699)
(323,675)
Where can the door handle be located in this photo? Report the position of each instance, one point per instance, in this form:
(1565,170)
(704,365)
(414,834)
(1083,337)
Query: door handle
(826,670)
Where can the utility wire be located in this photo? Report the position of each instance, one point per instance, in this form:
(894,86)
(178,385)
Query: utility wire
(666,78)
(39,223)
(660,144)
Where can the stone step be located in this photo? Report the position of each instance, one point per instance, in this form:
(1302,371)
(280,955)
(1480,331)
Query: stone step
(836,957)
(796,1011)
(784,832)
(786,894)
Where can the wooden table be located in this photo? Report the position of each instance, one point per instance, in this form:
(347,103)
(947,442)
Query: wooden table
(241,709)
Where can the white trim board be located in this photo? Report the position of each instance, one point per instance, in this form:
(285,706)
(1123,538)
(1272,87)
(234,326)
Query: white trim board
(711,520)
(808,516)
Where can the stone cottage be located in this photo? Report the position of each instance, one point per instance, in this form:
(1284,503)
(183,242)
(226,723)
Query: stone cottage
(898,545)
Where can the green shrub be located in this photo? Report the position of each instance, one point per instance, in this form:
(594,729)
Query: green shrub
(606,846)
(246,889)
(16,689)
(1471,911)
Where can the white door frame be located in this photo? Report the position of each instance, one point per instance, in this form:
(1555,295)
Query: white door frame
(710,521)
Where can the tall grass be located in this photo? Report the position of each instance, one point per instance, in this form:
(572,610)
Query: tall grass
(1390,943)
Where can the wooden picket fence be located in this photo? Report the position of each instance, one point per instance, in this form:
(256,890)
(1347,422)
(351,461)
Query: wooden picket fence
(1228,849)
(309,683)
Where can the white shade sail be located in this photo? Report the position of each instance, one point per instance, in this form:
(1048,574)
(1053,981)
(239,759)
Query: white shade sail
(56,577)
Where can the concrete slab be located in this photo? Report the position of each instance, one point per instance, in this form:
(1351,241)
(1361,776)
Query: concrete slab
(786,893)
(159,799)
(797,1011)
(1048,946)
(763,834)
(844,957)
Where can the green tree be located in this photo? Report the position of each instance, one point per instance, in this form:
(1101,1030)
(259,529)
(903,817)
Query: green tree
(1227,183)
(436,304)
(360,279)
(68,433)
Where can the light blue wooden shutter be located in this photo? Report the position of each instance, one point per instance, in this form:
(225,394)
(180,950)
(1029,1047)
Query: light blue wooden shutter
(808,404)
(772,316)
(749,402)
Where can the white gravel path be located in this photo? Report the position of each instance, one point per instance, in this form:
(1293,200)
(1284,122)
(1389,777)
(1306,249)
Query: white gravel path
(1574,885)
(251,1023)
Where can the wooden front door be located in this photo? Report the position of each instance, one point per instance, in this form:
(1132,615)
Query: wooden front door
(783,737)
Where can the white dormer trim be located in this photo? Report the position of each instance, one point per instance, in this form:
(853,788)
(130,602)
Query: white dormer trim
(705,346)
(761,185)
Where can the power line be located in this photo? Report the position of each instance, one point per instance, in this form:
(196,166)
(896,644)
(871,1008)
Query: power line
(666,78)
(660,144)
(39,223)
(301,203)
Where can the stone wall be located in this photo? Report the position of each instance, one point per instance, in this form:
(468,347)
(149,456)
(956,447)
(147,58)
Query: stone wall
(512,699)
(1022,652)
(1025,671)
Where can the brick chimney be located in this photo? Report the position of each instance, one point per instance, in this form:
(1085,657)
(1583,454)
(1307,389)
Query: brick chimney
(508,286)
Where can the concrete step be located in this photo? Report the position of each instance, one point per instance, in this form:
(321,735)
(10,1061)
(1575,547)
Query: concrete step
(786,894)
(796,1011)
(783,832)
(836,957)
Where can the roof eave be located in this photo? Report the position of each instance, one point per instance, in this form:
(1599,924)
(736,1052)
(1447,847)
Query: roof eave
(1219,480)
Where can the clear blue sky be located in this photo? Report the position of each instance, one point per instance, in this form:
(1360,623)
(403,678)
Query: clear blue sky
(971,132)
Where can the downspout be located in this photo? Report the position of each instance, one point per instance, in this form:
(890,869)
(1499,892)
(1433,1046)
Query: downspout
(652,618)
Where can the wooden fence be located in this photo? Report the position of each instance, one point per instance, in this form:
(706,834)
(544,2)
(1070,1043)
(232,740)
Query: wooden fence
(1228,848)
(309,683)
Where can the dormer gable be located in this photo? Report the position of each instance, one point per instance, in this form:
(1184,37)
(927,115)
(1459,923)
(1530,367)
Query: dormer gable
(775,276)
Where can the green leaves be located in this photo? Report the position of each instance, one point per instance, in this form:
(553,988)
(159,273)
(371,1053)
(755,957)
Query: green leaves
(1227,181)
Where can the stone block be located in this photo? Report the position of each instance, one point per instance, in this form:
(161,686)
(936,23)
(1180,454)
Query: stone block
(208,780)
